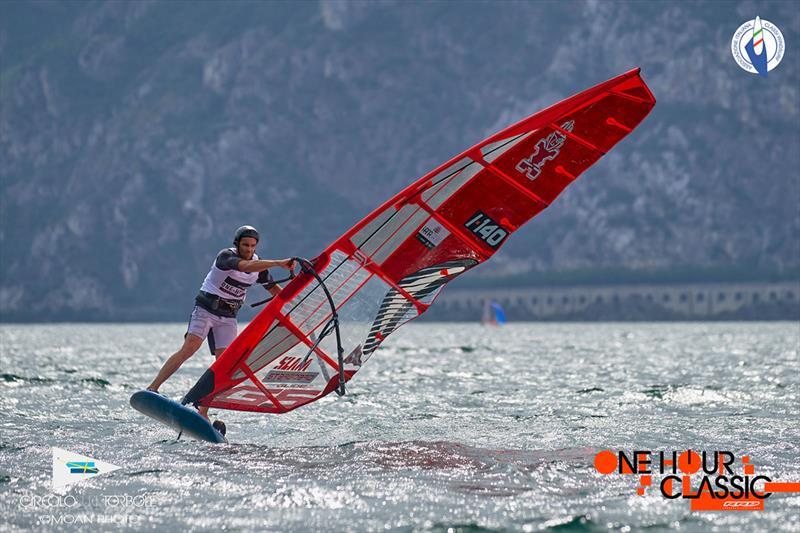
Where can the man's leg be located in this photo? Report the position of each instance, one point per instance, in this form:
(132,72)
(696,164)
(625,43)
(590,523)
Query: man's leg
(190,345)
(220,336)
(203,410)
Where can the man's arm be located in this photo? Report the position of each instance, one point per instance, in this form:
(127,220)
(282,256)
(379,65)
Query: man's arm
(260,265)
(265,279)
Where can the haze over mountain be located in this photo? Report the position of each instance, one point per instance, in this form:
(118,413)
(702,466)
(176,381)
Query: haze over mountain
(136,136)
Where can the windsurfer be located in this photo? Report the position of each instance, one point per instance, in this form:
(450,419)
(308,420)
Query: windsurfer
(222,294)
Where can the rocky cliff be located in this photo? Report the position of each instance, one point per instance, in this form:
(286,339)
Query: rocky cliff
(136,136)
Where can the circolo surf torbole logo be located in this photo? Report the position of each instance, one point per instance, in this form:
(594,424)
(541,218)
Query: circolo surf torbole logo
(711,480)
(758,46)
(70,468)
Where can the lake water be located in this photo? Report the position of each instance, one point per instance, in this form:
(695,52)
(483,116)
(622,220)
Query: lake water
(448,426)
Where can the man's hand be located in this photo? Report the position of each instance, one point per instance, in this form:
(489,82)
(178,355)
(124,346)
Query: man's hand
(287,264)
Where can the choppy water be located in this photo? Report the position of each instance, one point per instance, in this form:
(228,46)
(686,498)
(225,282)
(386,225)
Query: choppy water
(448,426)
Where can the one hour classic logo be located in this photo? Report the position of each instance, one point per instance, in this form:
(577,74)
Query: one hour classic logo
(758,46)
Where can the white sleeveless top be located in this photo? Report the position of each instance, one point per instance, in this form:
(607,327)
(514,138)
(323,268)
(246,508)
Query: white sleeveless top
(226,281)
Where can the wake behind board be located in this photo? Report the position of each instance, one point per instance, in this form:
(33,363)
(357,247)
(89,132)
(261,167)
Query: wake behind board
(183,419)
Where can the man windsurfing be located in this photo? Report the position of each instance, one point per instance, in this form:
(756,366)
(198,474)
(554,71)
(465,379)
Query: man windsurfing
(222,294)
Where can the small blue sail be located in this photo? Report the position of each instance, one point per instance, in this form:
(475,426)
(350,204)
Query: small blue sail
(499,314)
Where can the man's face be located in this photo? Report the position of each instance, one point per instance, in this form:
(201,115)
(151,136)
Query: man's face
(247,247)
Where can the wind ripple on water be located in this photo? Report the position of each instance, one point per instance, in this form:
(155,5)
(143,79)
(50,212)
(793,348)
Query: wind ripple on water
(447,426)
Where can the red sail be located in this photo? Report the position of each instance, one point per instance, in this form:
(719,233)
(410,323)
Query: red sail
(390,266)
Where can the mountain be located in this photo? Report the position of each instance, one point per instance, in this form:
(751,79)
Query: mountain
(136,136)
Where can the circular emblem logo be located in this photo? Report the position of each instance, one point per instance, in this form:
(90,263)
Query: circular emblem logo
(758,46)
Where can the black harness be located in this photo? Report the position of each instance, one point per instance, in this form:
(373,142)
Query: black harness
(217,305)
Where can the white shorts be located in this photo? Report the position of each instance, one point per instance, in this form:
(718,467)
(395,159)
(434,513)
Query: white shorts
(220,330)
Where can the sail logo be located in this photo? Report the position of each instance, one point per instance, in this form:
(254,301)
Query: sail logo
(70,468)
(285,376)
(432,234)
(547,148)
(293,364)
(758,46)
